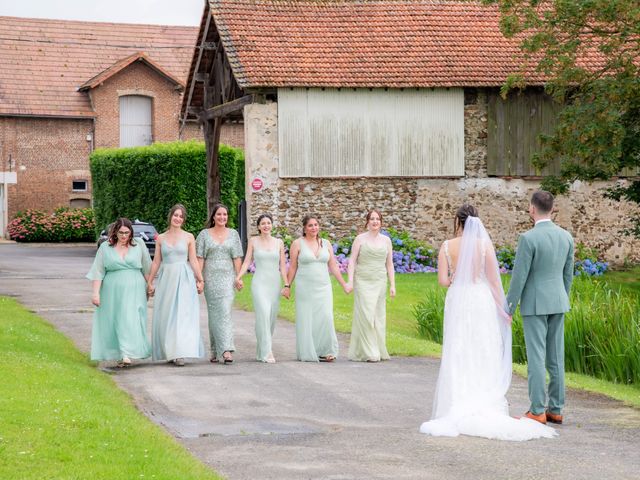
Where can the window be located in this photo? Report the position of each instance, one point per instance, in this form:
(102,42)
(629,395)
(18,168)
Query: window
(79,186)
(135,121)
(79,203)
(372,133)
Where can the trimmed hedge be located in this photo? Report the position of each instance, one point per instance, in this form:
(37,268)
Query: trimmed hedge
(145,182)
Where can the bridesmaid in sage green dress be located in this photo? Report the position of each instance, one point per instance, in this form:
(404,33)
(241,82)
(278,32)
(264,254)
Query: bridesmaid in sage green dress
(119,275)
(311,261)
(220,256)
(270,263)
(176,308)
(372,262)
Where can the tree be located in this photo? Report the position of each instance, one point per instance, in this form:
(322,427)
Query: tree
(589,53)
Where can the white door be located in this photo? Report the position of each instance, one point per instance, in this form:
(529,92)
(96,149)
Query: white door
(135,121)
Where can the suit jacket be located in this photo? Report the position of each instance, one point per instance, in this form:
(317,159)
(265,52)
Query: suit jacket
(543,271)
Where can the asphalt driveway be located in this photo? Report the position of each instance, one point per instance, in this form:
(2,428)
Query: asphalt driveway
(296,420)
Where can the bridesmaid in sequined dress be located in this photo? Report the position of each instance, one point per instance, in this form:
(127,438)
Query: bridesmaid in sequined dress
(219,253)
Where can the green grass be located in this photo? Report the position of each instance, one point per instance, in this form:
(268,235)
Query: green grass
(404,339)
(628,280)
(60,418)
(402,335)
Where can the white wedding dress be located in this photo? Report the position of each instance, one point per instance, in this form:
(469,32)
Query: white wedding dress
(475,371)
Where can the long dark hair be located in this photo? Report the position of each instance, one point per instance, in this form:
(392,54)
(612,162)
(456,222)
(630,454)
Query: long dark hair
(464,212)
(115,226)
(212,218)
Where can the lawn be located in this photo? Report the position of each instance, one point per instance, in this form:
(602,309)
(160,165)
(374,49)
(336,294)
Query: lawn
(61,418)
(402,334)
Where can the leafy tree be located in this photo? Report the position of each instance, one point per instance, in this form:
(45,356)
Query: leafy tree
(589,52)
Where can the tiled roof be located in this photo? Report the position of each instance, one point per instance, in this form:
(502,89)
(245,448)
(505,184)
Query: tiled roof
(44,62)
(124,63)
(365,43)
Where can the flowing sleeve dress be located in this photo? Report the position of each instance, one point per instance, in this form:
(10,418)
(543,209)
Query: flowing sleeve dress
(176,309)
(120,322)
(315,332)
(219,275)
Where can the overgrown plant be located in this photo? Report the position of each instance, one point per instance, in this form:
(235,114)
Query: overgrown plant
(63,225)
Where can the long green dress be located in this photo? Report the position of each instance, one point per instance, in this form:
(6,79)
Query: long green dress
(219,275)
(265,291)
(368,329)
(120,322)
(315,332)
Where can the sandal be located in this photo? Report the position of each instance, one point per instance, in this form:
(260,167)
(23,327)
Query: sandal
(214,360)
(227,359)
(327,358)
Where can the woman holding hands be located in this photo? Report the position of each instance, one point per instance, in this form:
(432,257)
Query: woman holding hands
(176,309)
(219,253)
(268,254)
(370,264)
(310,256)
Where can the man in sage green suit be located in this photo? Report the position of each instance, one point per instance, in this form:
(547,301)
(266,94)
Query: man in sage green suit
(540,282)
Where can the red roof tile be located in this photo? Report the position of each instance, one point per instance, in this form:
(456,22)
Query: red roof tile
(365,43)
(44,62)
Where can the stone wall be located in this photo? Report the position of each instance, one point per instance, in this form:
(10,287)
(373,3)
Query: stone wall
(423,206)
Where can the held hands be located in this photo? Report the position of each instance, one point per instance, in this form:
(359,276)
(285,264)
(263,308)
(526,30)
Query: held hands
(239,284)
(199,286)
(348,288)
(286,292)
(95,299)
(151,290)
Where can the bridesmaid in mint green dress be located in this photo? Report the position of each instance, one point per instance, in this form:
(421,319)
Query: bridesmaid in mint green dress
(176,308)
(219,254)
(311,261)
(370,264)
(119,274)
(268,255)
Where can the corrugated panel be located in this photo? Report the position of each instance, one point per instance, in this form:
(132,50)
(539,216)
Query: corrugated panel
(135,121)
(333,133)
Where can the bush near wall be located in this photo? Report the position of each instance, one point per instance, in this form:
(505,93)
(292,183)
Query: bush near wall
(145,182)
(63,225)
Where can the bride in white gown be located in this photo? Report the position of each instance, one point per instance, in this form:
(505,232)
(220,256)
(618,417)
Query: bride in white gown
(475,371)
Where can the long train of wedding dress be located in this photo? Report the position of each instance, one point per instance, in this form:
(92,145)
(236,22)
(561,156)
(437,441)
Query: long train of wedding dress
(475,371)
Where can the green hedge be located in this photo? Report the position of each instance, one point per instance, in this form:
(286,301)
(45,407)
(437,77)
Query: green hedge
(145,182)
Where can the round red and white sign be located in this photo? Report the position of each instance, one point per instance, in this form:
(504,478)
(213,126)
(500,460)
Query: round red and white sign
(257,184)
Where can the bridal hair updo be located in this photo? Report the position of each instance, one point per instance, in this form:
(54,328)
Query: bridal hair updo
(464,212)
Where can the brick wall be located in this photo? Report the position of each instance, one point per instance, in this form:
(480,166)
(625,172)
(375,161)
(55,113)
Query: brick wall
(47,154)
(232,134)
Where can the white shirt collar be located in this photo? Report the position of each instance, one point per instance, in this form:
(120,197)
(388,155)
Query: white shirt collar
(543,220)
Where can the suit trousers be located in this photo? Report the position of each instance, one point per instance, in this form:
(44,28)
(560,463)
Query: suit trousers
(544,338)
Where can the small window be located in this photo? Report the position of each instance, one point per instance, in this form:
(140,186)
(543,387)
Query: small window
(79,186)
(79,203)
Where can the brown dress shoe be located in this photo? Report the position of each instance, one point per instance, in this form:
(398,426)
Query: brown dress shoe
(554,417)
(542,418)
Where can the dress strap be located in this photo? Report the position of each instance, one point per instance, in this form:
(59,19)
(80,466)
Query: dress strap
(446,254)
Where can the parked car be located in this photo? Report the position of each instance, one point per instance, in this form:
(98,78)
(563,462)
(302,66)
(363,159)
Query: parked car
(144,230)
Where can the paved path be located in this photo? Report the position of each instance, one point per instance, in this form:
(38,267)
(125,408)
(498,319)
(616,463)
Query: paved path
(297,420)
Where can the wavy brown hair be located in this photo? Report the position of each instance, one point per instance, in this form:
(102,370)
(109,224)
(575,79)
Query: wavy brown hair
(115,226)
(212,218)
(174,209)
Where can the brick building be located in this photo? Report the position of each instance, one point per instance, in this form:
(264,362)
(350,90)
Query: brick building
(68,87)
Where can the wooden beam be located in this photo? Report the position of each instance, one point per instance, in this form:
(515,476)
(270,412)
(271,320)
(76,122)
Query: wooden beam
(221,111)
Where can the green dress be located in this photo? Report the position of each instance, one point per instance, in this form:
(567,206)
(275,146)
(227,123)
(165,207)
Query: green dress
(315,333)
(219,275)
(368,329)
(120,322)
(265,291)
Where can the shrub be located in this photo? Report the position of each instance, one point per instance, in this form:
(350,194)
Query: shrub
(64,225)
(602,330)
(144,182)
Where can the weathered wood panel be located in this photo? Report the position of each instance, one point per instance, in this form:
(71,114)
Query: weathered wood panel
(334,133)
(514,127)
